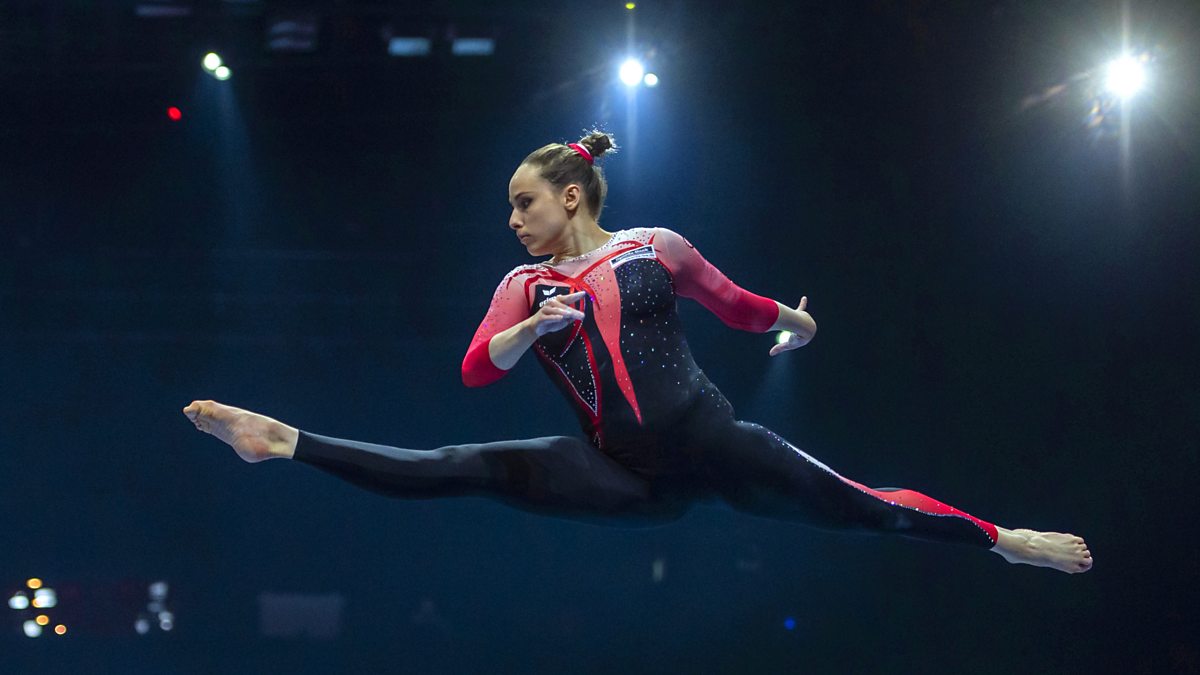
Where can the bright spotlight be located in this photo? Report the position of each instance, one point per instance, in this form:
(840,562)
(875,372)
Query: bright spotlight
(32,629)
(1125,76)
(222,73)
(782,337)
(632,72)
(651,80)
(211,62)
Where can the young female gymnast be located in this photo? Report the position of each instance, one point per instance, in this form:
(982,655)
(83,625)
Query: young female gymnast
(600,315)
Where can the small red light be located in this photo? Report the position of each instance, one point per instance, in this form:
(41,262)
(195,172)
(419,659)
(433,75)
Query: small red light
(174,113)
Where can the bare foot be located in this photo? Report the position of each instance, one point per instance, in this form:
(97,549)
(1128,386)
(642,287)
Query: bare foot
(254,437)
(1063,552)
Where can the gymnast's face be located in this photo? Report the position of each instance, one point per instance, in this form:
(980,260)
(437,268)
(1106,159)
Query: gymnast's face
(541,212)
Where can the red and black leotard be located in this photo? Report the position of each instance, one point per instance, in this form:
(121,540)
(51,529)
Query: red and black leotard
(626,367)
(661,436)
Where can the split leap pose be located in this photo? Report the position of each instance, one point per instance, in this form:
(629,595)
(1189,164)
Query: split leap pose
(600,314)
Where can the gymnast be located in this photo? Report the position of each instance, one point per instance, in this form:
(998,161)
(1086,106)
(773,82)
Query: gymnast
(658,436)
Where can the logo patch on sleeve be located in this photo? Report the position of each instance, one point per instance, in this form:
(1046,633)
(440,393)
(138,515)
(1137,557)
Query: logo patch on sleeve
(639,253)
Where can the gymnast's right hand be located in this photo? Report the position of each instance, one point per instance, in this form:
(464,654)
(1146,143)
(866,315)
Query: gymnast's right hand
(557,313)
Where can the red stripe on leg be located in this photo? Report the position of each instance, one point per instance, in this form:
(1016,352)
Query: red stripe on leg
(924,504)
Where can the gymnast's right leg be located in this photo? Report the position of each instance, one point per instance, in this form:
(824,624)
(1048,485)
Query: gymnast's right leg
(557,476)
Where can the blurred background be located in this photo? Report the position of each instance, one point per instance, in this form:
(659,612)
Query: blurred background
(992,207)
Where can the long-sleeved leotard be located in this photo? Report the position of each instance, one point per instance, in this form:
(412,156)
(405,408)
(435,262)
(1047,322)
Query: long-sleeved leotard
(626,367)
(661,435)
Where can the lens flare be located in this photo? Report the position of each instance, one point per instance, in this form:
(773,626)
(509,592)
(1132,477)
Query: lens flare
(632,72)
(1125,76)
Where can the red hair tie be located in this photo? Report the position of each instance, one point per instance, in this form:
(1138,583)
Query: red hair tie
(582,151)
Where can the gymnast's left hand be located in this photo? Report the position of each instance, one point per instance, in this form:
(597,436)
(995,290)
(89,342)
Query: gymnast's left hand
(796,340)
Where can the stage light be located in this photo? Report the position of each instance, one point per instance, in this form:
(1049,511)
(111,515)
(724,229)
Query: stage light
(142,626)
(630,6)
(34,583)
(473,47)
(1125,76)
(174,113)
(212,62)
(409,46)
(32,629)
(222,73)
(782,337)
(789,623)
(45,598)
(18,601)
(42,620)
(60,629)
(651,80)
(631,72)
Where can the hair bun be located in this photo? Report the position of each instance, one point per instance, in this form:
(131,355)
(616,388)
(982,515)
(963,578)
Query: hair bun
(598,143)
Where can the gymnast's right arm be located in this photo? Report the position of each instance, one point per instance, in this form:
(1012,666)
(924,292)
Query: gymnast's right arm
(503,335)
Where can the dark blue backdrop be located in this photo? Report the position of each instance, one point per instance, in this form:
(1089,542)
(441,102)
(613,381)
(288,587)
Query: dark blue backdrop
(1007,322)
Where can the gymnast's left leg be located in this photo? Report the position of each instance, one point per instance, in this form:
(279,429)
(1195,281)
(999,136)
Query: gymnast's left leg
(759,472)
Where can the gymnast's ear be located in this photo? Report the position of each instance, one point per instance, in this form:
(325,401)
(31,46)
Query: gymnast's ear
(572,196)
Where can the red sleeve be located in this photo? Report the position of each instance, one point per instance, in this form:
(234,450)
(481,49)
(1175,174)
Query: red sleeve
(696,278)
(509,307)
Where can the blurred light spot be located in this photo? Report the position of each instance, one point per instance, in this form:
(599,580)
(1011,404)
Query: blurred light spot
(1125,76)
(789,623)
(166,625)
(151,10)
(211,62)
(782,337)
(158,590)
(659,569)
(32,629)
(34,583)
(630,5)
(60,629)
(142,626)
(409,46)
(42,619)
(631,72)
(18,601)
(174,113)
(473,47)
(651,80)
(45,597)
(292,31)
(222,73)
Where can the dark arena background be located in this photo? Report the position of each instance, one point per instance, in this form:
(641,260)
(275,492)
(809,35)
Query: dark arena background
(992,206)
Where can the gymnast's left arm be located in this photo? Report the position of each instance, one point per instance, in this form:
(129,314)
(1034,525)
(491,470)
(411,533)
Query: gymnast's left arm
(696,278)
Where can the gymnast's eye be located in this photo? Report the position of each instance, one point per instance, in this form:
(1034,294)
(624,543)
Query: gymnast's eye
(524,202)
